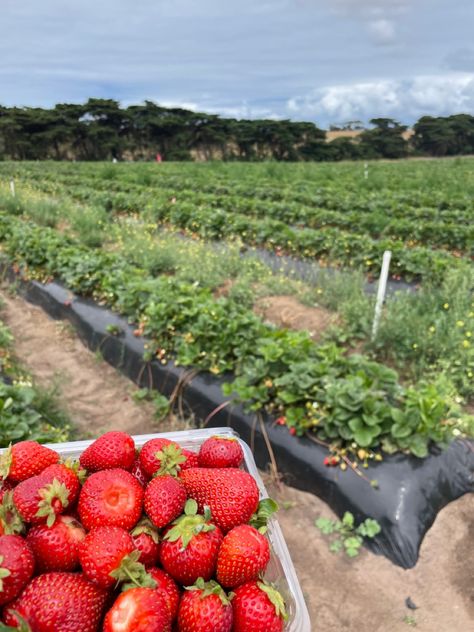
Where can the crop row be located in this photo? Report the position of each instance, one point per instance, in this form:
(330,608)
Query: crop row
(343,399)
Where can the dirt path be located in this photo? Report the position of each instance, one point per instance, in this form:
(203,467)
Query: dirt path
(365,594)
(94,394)
(368,593)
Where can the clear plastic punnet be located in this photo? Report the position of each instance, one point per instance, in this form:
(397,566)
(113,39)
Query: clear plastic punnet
(280,569)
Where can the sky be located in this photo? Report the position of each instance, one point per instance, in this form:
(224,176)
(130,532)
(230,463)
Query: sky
(327,61)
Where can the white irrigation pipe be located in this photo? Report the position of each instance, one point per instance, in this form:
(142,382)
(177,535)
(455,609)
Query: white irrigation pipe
(387,255)
(12,187)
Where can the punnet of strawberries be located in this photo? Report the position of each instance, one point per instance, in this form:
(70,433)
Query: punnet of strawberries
(158,540)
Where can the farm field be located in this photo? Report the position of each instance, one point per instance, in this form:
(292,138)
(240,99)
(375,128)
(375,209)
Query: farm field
(93,395)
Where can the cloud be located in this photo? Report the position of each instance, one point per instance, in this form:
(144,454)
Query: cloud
(383,31)
(406,99)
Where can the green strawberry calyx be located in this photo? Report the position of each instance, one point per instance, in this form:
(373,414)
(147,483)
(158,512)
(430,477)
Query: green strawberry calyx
(275,597)
(75,467)
(10,519)
(4,572)
(23,627)
(133,573)
(266,508)
(146,526)
(170,458)
(52,495)
(209,588)
(5,462)
(190,524)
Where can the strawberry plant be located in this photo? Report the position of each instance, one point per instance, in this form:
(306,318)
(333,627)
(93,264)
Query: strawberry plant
(345,536)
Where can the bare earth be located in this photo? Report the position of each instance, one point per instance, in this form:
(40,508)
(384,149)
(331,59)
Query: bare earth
(364,594)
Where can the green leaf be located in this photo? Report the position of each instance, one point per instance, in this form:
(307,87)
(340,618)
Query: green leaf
(348,519)
(325,525)
(335,546)
(369,528)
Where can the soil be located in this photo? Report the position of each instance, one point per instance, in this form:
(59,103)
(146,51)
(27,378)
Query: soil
(366,593)
(288,312)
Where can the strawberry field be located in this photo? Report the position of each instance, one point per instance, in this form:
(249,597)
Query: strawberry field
(174,260)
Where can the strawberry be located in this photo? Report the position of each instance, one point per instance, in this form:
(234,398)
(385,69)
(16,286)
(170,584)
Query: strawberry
(190,546)
(56,548)
(58,602)
(164,499)
(220,452)
(108,555)
(145,538)
(161,456)
(231,494)
(110,498)
(67,475)
(16,566)
(243,555)
(204,607)
(138,610)
(5,486)
(40,498)
(258,607)
(191,459)
(139,473)
(25,459)
(168,588)
(111,450)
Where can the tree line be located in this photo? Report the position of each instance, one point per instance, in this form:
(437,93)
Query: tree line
(102,130)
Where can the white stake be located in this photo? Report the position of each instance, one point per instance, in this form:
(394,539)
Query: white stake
(387,255)
(12,187)
(366,170)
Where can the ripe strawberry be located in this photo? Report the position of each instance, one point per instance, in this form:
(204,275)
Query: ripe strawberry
(111,450)
(168,588)
(231,494)
(164,499)
(258,607)
(108,555)
(16,566)
(40,498)
(55,602)
(145,538)
(110,498)
(204,607)
(191,459)
(190,546)
(161,456)
(139,473)
(25,459)
(243,555)
(220,452)
(56,548)
(138,609)
(68,476)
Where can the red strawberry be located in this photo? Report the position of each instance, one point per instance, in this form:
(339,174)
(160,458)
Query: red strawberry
(110,497)
(56,548)
(221,452)
(108,555)
(204,607)
(68,476)
(138,610)
(190,546)
(40,498)
(164,499)
(231,494)
(191,459)
(243,555)
(139,473)
(25,459)
(168,588)
(258,607)
(16,566)
(111,450)
(5,486)
(162,456)
(145,538)
(58,602)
